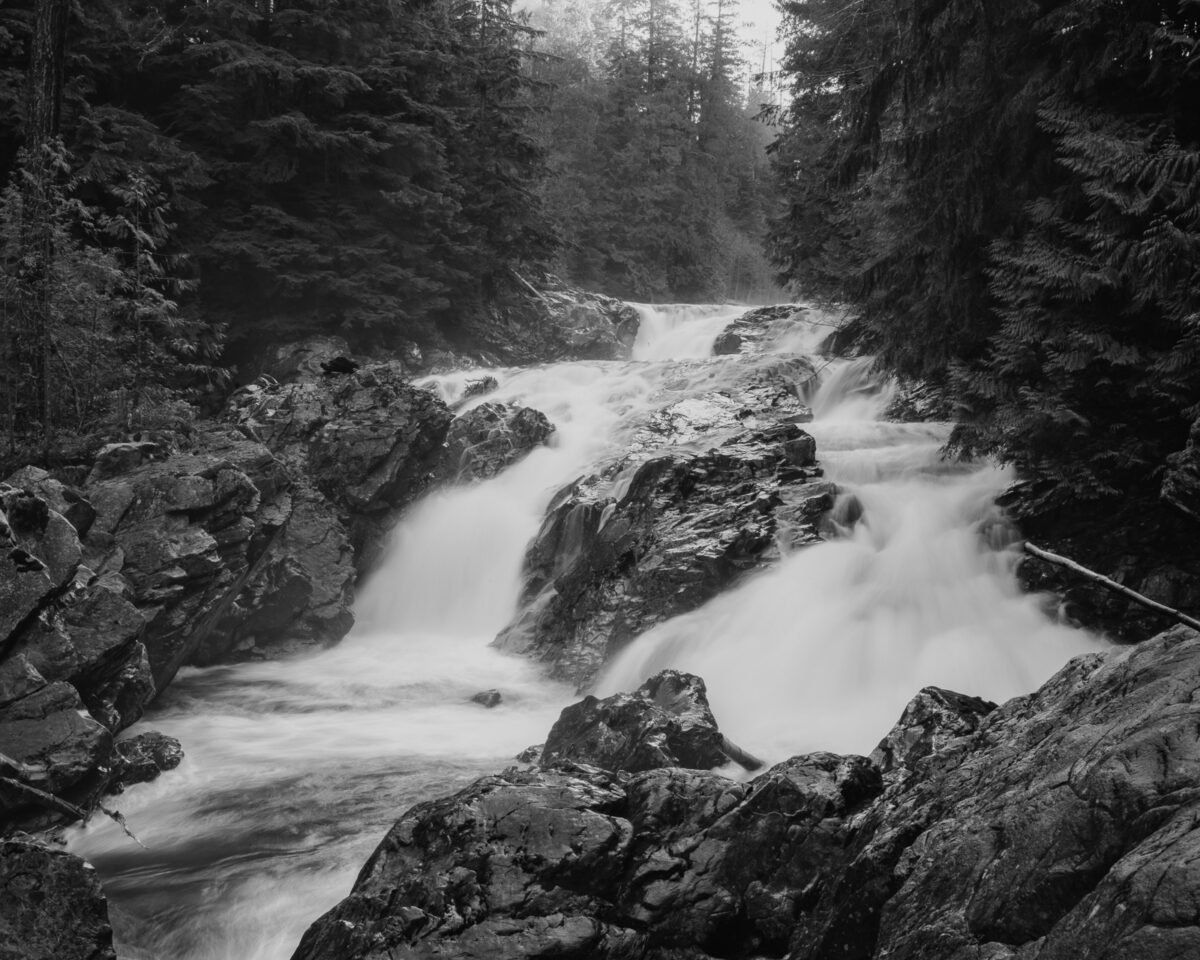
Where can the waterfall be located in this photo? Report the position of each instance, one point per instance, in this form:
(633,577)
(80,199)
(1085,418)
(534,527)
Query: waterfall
(296,768)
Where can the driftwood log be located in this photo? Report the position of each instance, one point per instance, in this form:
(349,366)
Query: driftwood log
(1068,564)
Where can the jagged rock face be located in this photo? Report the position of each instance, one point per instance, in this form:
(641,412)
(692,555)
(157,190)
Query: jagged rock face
(488,438)
(142,758)
(369,441)
(604,568)
(1181,485)
(73,667)
(931,720)
(665,723)
(752,331)
(1057,826)
(178,530)
(563,324)
(51,906)
(579,863)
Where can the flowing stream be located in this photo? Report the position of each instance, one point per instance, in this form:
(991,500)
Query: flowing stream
(296,768)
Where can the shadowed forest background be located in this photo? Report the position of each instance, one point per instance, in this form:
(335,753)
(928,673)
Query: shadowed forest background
(1003,195)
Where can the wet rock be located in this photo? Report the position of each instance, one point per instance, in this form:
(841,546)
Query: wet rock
(299,589)
(665,723)
(620,553)
(1181,485)
(561,324)
(59,497)
(488,698)
(488,438)
(530,754)
(754,330)
(931,720)
(575,862)
(1025,837)
(1056,826)
(143,758)
(52,736)
(369,441)
(38,535)
(178,530)
(18,678)
(92,639)
(51,905)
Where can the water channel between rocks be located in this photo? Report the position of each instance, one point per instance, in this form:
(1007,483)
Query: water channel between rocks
(295,769)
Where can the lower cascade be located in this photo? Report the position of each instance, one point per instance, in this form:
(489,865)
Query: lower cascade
(901,578)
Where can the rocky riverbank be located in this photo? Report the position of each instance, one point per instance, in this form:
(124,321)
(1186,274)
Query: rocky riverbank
(245,537)
(241,538)
(1057,825)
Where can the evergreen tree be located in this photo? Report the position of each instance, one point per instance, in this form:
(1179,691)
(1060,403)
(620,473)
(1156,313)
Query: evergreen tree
(1007,192)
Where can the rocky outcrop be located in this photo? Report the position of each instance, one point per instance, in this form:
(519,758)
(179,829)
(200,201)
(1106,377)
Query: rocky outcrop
(51,905)
(368,441)
(1056,826)
(561,323)
(754,330)
(666,722)
(606,566)
(74,667)
(489,437)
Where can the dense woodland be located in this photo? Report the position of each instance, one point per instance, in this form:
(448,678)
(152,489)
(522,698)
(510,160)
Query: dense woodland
(1004,194)
(1010,194)
(187,181)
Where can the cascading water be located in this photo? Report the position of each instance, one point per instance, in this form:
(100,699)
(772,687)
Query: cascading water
(295,769)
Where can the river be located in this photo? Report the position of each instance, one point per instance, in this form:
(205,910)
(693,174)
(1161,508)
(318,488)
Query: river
(296,768)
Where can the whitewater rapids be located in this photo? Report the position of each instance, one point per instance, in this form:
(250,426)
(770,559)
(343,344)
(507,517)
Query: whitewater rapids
(295,769)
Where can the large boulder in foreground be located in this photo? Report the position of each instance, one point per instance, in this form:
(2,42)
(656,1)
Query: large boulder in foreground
(51,906)
(1056,826)
(666,722)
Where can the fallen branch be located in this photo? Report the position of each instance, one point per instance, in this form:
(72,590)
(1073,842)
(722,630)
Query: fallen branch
(119,819)
(1125,591)
(738,755)
(43,799)
(532,289)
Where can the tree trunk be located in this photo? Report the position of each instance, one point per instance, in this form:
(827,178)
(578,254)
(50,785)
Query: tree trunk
(43,113)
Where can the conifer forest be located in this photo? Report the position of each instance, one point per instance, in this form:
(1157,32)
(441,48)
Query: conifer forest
(599,479)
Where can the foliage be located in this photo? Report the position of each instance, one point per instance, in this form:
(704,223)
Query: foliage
(1009,194)
(658,179)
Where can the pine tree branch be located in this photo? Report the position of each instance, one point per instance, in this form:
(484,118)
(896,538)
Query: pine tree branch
(1104,581)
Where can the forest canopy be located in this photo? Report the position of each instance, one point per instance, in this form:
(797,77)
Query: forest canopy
(188,181)
(1009,193)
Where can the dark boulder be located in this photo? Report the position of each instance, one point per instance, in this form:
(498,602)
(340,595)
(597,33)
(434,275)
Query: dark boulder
(488,698)
(754,330)
(561,323)
(487,438)
(665,723)
(603,569)
(574,862)
(142,758)
(51,905)
(930,721)
(368,441)
(1056,826)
